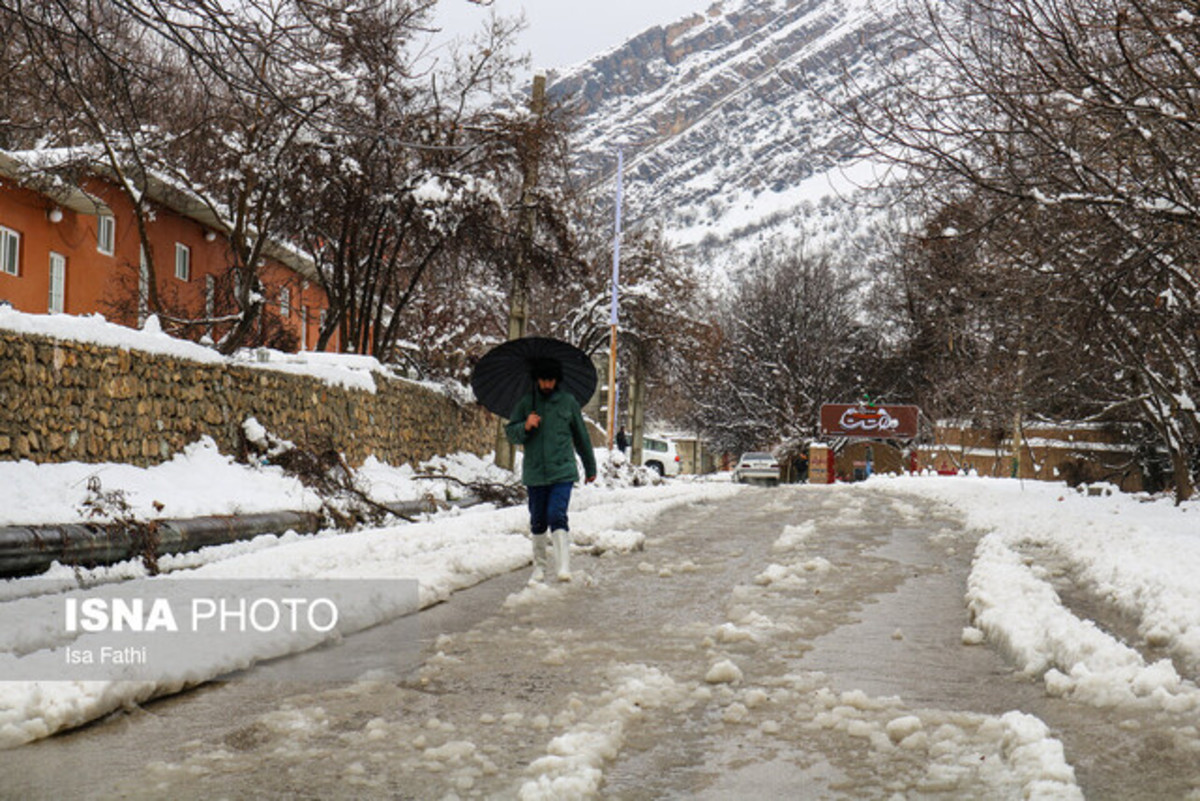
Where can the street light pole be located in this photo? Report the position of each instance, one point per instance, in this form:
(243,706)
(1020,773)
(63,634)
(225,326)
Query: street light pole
(612,317)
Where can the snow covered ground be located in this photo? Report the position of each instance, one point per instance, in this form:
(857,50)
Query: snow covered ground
(1138,553)
(446,552)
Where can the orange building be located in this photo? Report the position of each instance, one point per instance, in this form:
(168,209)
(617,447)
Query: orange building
(76,250)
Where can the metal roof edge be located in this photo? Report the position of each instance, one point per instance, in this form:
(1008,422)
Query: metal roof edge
(158,189)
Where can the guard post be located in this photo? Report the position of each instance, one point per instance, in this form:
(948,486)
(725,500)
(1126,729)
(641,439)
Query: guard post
(820,464)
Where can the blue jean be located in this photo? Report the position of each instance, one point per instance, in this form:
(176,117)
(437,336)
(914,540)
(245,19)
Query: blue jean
(548,507)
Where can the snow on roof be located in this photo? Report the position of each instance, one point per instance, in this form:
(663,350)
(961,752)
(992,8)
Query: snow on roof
(65,194)
(33,169)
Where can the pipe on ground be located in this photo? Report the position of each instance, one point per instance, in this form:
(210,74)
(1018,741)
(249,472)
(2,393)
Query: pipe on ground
(29,550)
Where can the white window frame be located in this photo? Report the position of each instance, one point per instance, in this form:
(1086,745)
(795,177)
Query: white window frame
(183,262)
(106,234)
(58,284)
(285,302)
(10,251)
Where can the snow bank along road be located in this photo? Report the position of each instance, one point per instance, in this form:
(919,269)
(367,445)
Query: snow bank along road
(795,642)
(445,554)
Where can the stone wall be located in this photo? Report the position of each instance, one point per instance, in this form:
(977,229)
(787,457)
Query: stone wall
(73,401)
(1075,454)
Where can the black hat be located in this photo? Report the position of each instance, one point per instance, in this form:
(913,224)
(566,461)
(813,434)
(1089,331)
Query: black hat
(546,368)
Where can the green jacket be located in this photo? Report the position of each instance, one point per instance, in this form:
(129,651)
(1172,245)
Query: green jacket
(550,448)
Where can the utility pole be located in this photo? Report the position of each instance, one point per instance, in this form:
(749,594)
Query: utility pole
(518,311)
(612,317)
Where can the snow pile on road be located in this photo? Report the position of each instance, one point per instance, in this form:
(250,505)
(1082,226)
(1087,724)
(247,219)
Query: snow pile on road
(723,672)
(1013,755)
(1141,555)
(611,540)
(573,768)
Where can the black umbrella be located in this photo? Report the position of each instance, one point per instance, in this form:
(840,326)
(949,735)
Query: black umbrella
(505,373)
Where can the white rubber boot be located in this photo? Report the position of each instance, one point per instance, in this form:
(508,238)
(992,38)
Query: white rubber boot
(562,554)
(539,558)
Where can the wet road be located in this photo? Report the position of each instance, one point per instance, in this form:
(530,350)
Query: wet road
(784,643)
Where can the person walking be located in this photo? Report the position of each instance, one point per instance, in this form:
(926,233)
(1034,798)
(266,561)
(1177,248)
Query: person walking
(800,467)
(622,440)
(548,423)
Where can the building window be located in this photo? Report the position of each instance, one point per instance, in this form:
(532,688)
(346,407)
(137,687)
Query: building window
(10,251)
(285,302)
(324,317)
(58,283)
(183,262)
(303,328)
(106,234)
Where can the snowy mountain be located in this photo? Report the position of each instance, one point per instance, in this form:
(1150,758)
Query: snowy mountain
(726,122)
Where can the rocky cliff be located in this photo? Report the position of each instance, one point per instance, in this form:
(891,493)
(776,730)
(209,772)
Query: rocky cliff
(728,121)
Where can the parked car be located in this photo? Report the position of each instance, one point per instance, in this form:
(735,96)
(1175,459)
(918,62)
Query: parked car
(660,456)
(756,466)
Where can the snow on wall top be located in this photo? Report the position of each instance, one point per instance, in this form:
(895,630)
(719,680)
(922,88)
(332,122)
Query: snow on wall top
(349,371)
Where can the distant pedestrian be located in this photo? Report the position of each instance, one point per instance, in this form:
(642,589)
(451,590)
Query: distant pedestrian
(800,467)
(549,424)
(622,440)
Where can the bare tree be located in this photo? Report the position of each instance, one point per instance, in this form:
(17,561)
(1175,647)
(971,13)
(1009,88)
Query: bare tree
(1076,125)
(663,313)
(202,103)
(242,140)
(90,86)
(427,184)
(791,339)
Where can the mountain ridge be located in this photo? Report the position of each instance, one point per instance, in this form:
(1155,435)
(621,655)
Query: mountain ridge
(721,123)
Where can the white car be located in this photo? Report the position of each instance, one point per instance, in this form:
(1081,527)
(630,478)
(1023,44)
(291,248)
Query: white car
(756,466)
(659,455)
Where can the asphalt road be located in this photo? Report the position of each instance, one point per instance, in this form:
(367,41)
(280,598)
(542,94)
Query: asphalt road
(779,644)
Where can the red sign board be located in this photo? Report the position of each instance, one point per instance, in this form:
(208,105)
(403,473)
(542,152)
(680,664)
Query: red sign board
(865,420)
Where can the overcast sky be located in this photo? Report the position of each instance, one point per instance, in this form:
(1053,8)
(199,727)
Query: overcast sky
(565,32)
